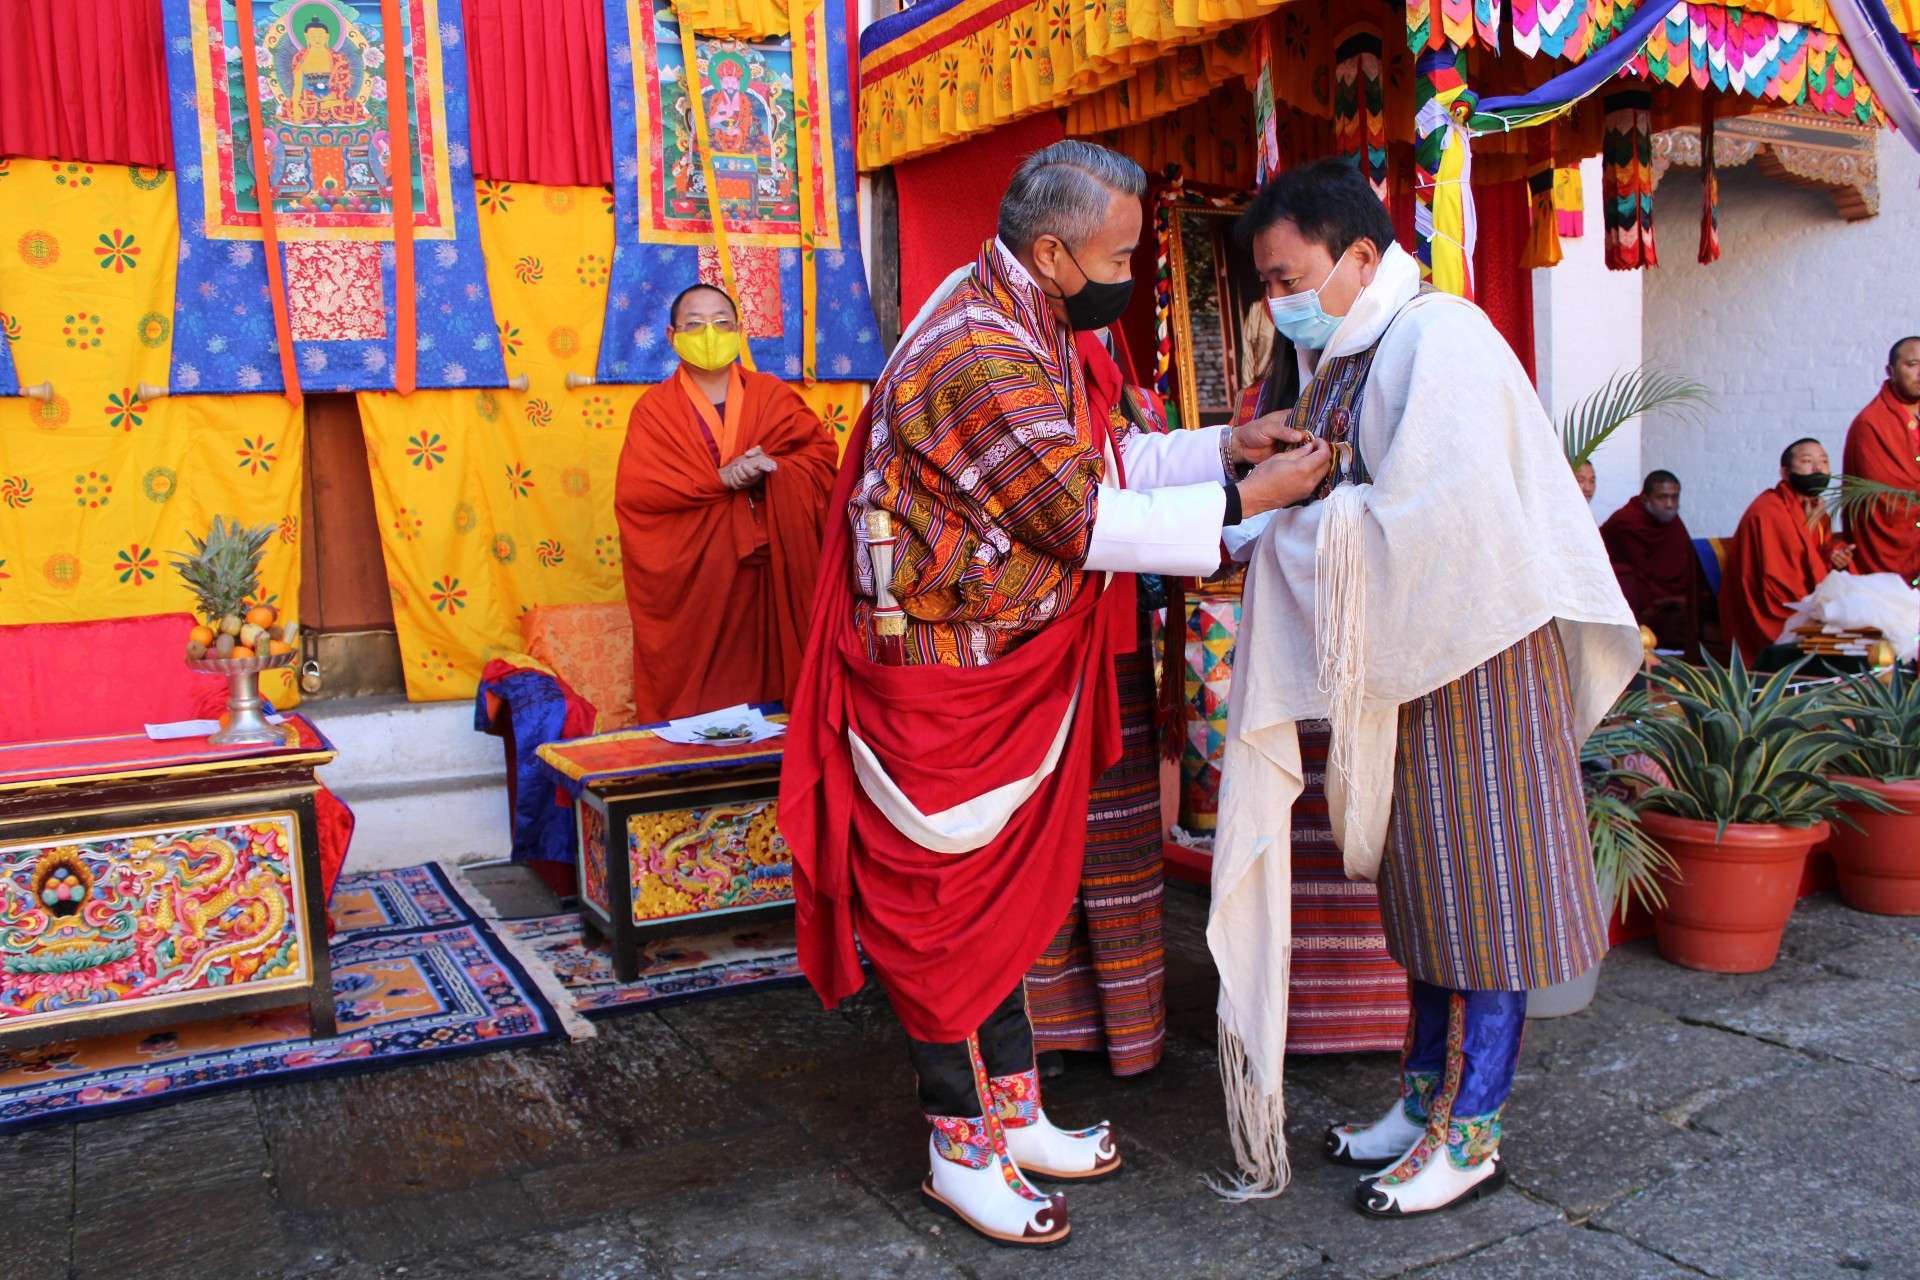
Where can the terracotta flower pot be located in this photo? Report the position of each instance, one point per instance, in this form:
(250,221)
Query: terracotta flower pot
(1728,908)
(1879,864)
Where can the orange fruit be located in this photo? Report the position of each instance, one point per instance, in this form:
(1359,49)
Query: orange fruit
(241,651)
(261,615)
(201,635)
(277,647)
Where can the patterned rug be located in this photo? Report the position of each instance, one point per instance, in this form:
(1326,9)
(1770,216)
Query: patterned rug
(416,975)
(671,969)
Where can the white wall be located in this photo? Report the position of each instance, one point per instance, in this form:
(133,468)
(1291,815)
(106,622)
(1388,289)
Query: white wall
(1587,327)
(1789,329)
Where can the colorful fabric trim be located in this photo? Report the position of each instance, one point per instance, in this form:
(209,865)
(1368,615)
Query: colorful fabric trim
(1016,1098)
(1626,181)
(1709,191)
(333,207)
(1443,216)
(1360,104)
(1569,202)
(786,244)
(1473,1038)
(943,69)
(1434,24)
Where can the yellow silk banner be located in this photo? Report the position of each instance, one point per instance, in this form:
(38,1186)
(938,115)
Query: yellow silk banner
(491,502)
(97,483)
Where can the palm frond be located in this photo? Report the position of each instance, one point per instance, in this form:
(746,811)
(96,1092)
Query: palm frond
(1856,498)
(1627,394)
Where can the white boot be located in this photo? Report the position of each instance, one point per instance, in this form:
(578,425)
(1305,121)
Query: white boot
(1438,1174)
(972,1179)
(1039,1146)
(1376,1145)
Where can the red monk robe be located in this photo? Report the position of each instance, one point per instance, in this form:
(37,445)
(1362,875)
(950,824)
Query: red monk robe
(1884,444)
(1774,559)
(720,581)
(1655,565)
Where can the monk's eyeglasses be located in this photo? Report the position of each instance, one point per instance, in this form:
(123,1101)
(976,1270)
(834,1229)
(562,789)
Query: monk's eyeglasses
(724,326)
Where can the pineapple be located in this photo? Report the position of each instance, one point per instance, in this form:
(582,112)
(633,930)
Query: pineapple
(224,571)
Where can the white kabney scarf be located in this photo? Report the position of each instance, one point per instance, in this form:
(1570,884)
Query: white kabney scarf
(1471,536)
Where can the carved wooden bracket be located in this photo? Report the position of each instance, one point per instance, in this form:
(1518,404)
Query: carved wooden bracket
(1798,146)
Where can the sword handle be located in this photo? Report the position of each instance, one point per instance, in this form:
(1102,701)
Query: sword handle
(889,620)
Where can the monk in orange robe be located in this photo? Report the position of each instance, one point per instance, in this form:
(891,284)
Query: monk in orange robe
(722,484)
(1884,444)
(1783,549)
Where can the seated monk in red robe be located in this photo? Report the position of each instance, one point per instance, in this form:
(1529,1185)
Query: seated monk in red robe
(1782,550)
(1884,444)
(722,483)
(1652,557)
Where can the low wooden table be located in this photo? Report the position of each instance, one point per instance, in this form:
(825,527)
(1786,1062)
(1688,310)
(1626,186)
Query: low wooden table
(145,884)
(672,838)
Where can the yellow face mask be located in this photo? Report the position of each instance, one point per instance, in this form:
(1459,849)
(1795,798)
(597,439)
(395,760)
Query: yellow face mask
(707,347)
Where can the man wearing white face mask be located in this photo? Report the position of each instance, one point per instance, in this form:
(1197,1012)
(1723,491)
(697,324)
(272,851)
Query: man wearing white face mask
(1446,603)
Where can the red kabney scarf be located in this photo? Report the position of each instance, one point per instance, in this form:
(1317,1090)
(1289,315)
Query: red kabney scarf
(949,934)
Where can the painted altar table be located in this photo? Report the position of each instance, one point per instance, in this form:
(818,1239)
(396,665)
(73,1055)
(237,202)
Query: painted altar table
(144,884)
(672,838)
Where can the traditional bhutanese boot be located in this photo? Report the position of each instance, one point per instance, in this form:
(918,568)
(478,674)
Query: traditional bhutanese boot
(973,1179)
(1457,1158)
(1438,1174)
(1040,1147)
(1386,1140)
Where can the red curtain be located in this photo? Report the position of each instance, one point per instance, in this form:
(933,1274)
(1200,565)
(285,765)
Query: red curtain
(84,82)
(537,91)
(950,202)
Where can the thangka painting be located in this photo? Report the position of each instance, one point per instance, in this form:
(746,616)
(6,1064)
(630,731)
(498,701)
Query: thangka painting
(753,96)
(320,88)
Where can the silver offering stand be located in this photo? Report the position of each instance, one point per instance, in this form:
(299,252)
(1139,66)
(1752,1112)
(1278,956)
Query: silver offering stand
(247,714)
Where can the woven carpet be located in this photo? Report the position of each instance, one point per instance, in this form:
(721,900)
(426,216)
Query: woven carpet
(724,962)
(417,975)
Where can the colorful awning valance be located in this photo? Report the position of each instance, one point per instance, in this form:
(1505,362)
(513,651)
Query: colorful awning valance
(944,69)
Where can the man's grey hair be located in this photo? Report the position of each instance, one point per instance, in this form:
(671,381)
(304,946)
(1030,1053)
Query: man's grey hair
(1063,190)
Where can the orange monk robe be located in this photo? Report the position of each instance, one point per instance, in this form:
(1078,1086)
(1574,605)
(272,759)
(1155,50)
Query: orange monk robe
(719,581)
(1774,558)
(1884,444)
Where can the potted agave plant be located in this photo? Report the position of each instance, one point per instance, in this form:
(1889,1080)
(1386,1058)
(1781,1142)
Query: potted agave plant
(1877,851)
(1744,790)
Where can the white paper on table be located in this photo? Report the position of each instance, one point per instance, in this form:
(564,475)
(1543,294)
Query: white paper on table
(191,729)
(688,730)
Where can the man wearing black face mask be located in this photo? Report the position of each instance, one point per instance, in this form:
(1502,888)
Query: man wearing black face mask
(1782,550)
(940,755)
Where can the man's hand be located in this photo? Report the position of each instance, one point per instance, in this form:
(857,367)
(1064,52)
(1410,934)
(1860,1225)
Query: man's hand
(1842,555)
(1256,441)
(748,470)
(1285,478)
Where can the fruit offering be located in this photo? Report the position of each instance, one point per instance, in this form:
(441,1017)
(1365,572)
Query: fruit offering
(224,575)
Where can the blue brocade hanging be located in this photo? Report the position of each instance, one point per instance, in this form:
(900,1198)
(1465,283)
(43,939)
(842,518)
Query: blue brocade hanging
(324,110)
(664,233)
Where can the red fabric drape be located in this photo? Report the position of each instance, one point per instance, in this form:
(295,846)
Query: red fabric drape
(537,89)
(950,202)
(84,82)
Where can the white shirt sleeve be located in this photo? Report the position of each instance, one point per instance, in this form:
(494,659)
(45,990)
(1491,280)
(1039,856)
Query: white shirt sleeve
(1172,529)
(1155,460)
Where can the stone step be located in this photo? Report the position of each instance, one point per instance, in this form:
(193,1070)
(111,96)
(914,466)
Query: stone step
(423,784)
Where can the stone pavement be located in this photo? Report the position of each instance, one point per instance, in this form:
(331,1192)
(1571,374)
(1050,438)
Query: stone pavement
(1687,1125)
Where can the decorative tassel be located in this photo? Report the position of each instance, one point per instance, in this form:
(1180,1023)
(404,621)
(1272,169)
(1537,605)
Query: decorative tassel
(1569,202)
(1626,194)
(1339,610)
(1542,248)
(1443,216)
(1360,103)
(1709,189)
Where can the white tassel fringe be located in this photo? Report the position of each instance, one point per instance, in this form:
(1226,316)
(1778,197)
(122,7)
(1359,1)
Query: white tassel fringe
(1339,614)
(1257,1123)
